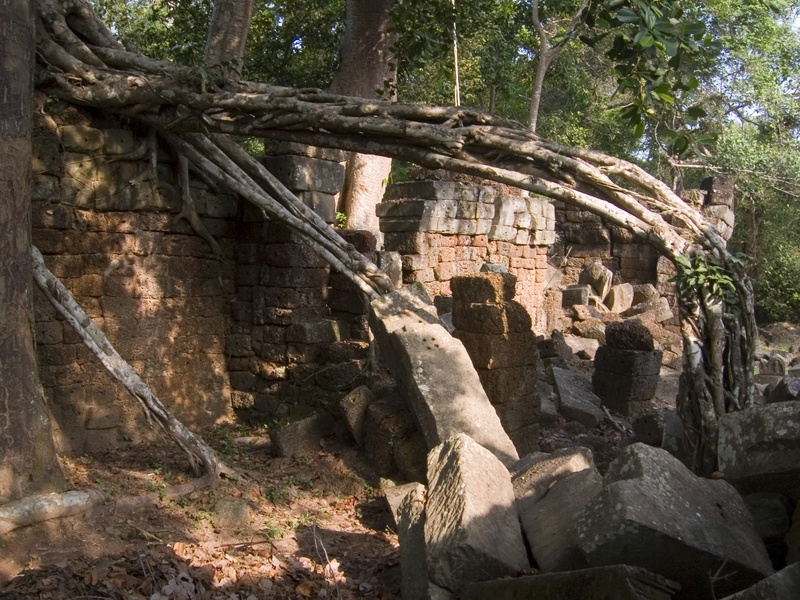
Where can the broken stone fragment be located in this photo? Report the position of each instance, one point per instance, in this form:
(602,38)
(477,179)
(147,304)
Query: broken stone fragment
(472,530)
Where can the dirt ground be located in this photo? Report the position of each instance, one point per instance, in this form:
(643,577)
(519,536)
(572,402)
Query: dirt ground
(289,528)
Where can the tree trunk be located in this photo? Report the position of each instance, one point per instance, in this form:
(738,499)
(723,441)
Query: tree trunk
(28,462)
(364,69)
(227,35)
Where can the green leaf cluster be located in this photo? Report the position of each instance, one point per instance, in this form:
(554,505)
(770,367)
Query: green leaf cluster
(702,278)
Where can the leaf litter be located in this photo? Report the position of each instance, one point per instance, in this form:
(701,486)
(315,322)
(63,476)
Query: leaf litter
(311,527)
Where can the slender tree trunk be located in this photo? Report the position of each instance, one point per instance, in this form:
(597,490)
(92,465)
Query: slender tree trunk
(227,35)
(28,463)
(364,69)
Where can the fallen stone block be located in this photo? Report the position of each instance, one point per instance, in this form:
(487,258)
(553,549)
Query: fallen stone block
(771,514)
(625,376)
(576,400)
(549,523)
(536,472)
(619,298)
(787,390)
(301,438)
(663,429)
(617,582)
(443,388)
(792,538)
(472,530)
(575,294)
(783,585)
(414,582)
(599,277)
(629,335)
(385,421)
(436,375)
(485,287)
(654,513)
(759,448)
(354,408)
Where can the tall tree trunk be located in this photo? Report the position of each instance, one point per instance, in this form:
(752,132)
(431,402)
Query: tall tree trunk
(365,68)
(227,35)
(28,463)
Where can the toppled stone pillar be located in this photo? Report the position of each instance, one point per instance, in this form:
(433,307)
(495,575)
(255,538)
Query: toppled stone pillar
(472,530)
(496,332)
(435,374)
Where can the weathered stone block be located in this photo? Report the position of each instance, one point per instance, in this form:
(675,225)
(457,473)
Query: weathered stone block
(787,390)
(576,400)
(598,276)
(534,474)
(385,421)
(549,523)
(622,376)
(504,385)
(491,318)
(354,407)
(81,138)
(301,438)
(314,332)
(662,429)
(759,448)
(300,173)
(499,351)
(629,335)
(619,298)
(410,519)
(575,294)
(471,525)
(654,513)
(783,585)
(617,582)
(484,287)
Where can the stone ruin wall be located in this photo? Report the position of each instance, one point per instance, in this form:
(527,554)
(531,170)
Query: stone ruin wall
(269,328)
(254,330)
(583,238)
(445,229)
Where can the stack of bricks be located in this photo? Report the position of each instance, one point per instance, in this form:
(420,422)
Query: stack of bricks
(496,332)
(445,229)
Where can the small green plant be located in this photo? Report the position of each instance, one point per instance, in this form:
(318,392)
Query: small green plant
(272,530)
(276,494)
(341,220)
(202,515)
(701,278)
(155,486)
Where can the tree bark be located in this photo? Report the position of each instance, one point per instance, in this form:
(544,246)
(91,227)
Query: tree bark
(364,68)
(28,462)
(227,36)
